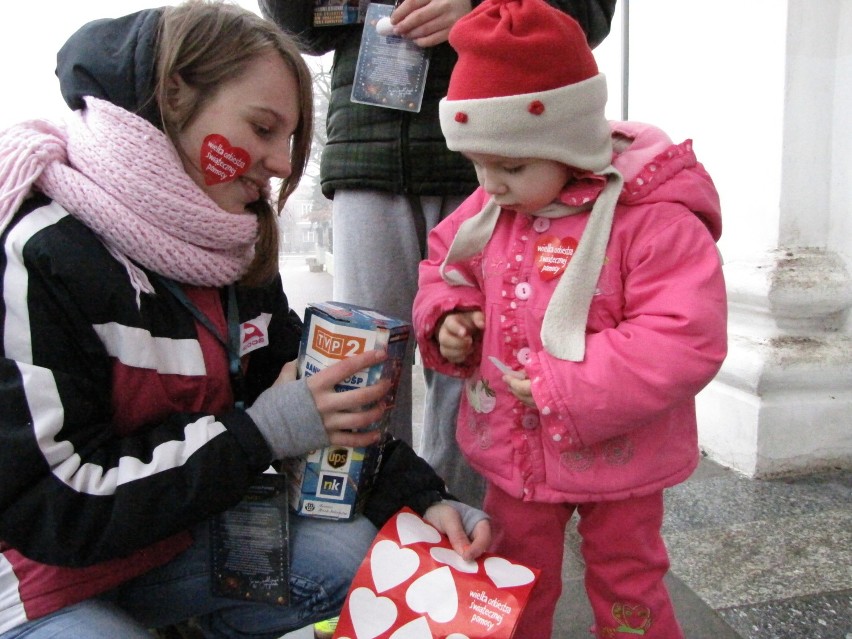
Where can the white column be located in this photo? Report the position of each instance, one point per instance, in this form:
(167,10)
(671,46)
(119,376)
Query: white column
(765,90)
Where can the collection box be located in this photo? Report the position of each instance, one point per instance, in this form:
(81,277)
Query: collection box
(332,482)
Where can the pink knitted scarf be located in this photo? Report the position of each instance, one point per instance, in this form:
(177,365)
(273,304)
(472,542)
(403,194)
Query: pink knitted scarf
(122,177)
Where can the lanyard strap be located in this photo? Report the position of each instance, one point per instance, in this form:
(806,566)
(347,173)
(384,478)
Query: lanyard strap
(231,343)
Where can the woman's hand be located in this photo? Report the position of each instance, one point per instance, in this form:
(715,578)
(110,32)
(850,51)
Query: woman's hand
(448,521)
(344,414)
(428,22)
(456,334)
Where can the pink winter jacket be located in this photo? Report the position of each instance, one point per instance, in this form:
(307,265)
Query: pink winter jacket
(620,423)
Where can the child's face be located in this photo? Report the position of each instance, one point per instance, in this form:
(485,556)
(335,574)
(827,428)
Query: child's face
(523,184)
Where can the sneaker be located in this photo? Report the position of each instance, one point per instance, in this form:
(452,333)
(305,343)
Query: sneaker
(325,629)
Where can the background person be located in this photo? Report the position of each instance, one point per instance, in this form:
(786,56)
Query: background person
(392,179)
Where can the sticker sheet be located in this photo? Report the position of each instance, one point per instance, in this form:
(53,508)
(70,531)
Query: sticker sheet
(413,585)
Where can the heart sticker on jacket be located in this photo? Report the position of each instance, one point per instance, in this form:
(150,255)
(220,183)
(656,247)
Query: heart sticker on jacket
(222,162)
(552,255)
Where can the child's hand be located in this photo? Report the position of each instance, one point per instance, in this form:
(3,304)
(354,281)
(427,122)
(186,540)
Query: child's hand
(448,521)
(456,334)
(521,389)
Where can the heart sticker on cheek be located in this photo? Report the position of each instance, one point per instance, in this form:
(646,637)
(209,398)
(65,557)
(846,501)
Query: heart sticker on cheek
(221,161)
(552,255)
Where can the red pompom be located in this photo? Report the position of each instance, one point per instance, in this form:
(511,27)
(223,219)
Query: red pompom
(536,107)
(461,117)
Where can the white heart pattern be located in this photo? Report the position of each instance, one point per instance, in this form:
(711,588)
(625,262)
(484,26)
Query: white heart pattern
(451,558)
(391,565)
(417,629)
(457,635)
(434,594)
(412,529)
(371,615)
(505,574)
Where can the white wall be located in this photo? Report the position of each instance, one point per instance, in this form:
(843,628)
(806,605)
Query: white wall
(764,88)
(715,74)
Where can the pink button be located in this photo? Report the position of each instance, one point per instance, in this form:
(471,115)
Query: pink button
(523,291)
(541,224)
(524,356)
(529,421)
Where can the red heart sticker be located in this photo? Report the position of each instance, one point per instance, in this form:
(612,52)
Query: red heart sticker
(552,255)
(221,161)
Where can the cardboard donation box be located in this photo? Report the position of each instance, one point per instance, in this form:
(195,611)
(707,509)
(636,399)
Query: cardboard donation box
(413,585)
(332,482)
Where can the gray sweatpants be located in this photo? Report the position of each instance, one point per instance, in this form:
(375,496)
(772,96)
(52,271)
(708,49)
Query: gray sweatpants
(378,244)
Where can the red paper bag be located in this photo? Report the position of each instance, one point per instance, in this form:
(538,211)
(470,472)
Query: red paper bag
(413,585)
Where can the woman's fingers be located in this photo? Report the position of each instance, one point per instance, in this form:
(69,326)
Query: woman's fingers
(345,413)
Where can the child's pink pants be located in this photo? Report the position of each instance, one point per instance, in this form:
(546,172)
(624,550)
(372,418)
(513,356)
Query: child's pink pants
(624,553)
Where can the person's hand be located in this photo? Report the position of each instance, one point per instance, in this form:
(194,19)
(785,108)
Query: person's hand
(428,22)
(448,521)
(521,389)
(457,332)
(352,410)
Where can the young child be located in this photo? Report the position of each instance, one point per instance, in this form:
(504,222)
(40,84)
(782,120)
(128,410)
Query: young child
(580,293)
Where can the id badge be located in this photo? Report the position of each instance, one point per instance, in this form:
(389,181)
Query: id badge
(391,70)
(249,545)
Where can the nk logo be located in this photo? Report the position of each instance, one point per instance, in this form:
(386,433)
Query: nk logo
(331,486)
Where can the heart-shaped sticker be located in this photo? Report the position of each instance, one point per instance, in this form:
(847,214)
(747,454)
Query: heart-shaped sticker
(453,559)
(371,615)
(434,594)
(505,574)
(417,629)
(391,565)
(222,162)
(412,529)
(552,255)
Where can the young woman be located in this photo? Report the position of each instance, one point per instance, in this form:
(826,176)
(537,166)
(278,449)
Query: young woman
(139,251)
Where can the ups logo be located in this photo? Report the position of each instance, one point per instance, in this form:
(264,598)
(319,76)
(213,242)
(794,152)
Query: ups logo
(337,457)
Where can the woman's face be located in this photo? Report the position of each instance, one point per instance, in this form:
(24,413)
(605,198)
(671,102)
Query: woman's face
(241,137)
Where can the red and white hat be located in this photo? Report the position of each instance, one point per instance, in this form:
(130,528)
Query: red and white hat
(526,84)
